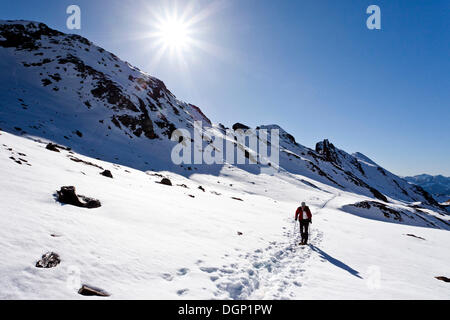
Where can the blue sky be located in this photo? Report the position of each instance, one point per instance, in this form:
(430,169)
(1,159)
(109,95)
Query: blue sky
(310,66)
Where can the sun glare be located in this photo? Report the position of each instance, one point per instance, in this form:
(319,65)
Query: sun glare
(177,33)
(174,34)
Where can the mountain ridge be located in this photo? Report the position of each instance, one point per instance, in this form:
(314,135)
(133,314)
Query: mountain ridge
(66,89)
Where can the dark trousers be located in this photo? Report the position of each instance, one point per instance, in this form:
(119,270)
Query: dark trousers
(304,225)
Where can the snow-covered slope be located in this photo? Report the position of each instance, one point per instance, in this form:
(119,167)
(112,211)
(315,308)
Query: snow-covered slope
(233,238)
(153,241)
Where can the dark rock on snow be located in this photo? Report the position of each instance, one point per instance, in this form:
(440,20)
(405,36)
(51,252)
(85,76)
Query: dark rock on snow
(52,147)
(56,147)
(75,159)
(445,279)
(107,174)
(67,195)
(166,181)
(414,236)
(86,290)
(48,260)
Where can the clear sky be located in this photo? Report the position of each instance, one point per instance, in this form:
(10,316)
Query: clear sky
(311,66)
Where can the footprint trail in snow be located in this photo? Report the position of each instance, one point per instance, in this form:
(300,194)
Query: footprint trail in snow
(268,273)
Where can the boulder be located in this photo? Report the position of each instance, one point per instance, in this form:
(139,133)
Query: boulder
(107,174)
(67,195)
(86,290)
(48,260)
(166,181)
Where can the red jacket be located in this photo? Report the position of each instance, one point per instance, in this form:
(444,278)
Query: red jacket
(299,213)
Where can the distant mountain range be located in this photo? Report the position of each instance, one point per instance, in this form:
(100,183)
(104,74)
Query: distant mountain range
(438,186)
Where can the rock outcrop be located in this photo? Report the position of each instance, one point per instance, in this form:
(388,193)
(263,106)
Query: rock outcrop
(328,151)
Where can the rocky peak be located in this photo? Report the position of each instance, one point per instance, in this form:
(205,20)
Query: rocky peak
(327,150)
(23,34)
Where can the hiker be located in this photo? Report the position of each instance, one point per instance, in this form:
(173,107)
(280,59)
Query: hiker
(304,216)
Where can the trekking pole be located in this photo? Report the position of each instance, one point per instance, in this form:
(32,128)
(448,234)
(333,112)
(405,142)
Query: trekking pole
(294,233)
(295,227)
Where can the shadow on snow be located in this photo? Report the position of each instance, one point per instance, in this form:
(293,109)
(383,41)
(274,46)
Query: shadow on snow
(335,261)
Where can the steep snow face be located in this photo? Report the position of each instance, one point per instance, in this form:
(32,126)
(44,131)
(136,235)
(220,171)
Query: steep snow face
(65,89)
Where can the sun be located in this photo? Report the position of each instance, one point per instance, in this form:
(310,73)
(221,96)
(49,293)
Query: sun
(174,34)
(180,34)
